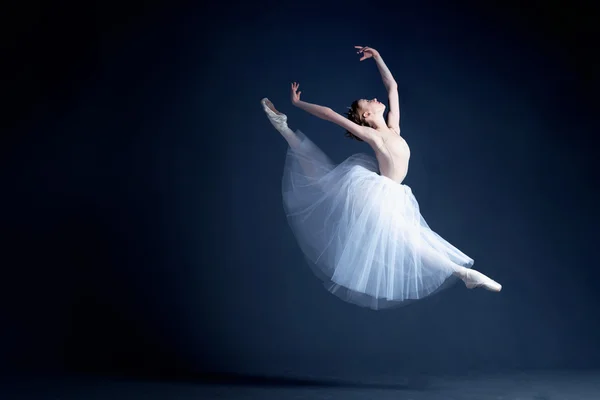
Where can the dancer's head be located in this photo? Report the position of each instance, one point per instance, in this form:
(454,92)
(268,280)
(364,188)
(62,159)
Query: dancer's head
(363,112)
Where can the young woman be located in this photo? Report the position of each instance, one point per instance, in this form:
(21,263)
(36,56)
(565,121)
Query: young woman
(357,224)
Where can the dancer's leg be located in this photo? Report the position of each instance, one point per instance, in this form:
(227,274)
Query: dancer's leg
(469,276)
(279,121)
(312,160)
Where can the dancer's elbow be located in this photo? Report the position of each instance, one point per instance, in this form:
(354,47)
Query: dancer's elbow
(327,114)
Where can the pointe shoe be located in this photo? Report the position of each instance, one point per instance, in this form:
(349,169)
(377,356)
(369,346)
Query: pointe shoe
(474,279)
(278,119)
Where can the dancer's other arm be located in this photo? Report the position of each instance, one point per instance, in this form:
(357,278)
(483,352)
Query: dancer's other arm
(393,117)
(365,133)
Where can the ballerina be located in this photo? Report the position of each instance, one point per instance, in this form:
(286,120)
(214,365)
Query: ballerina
(358,225)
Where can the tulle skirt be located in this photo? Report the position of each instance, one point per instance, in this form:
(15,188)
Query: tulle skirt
(362,233)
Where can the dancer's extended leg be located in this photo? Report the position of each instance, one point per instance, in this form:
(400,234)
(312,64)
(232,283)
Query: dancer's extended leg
(312,160)
(469,276)
(279,121)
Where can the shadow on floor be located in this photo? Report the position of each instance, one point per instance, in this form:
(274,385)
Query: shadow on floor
(413,383)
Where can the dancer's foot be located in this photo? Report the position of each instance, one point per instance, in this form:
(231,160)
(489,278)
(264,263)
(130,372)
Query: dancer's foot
(278,119)
(474,279)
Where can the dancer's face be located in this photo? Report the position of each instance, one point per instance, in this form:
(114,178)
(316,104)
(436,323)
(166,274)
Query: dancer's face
(370,108)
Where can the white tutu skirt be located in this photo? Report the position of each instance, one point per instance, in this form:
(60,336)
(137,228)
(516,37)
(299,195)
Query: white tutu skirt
(362,232)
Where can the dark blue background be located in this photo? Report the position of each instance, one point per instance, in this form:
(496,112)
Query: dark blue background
(141,209)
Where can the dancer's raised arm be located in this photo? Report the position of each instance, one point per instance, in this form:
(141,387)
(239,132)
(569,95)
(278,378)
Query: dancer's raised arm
(364,132)
(393,117)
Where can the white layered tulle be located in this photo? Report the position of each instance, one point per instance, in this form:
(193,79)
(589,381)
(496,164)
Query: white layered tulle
(363,232)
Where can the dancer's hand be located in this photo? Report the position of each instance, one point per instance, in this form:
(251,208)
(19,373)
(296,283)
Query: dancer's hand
(366,52)
(295,94)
